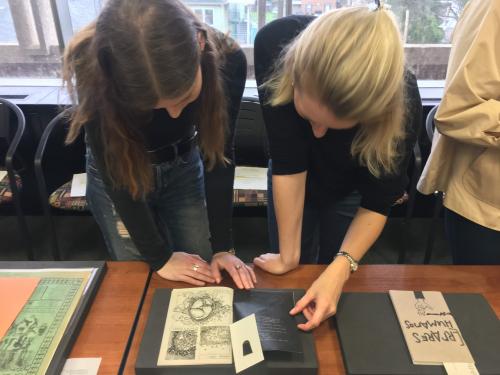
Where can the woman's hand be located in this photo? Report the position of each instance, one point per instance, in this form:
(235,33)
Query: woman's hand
(274,263)
(320,300)
(243,275)
(190,268)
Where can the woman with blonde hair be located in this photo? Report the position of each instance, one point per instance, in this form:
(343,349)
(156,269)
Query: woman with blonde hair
(155,87)
(342,117)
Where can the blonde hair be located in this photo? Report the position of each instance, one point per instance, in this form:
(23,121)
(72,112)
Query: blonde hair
(352,61)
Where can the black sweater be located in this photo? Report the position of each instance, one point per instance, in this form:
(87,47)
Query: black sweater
(136,214)
(332,171)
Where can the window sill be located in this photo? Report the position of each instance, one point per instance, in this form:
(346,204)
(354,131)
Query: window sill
(49,91)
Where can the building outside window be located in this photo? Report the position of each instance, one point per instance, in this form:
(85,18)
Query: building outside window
(33,32)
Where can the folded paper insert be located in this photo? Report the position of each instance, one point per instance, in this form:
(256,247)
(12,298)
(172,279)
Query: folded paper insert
(245,341)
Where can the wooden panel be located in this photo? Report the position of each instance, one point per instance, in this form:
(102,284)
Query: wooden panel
(108,324)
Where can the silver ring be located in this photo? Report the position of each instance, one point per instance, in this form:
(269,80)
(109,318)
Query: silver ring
(195,267)
(238,266)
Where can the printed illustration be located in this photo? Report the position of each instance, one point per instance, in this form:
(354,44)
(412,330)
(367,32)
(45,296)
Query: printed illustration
(422,306)
(182,345)
(17,349)
(197,327)
(215,336)
(202,308)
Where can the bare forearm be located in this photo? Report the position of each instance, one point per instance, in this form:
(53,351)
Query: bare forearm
(288,195)
(364,230)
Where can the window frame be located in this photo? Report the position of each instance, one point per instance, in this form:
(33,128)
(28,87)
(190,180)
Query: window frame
(431,90)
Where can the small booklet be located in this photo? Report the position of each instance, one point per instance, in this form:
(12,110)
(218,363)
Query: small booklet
(197,326)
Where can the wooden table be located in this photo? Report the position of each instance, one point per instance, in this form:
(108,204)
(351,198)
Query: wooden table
(107,327)
(369,278)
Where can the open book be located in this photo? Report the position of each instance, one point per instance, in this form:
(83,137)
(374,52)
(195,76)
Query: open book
(197,326)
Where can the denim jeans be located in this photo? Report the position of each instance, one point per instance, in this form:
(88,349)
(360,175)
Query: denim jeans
(177,202)
(323,228)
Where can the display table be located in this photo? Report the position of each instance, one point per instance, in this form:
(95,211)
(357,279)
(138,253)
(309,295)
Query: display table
(111,317)
(368,278)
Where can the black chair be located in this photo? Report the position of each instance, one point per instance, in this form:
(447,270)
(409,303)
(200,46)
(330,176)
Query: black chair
(10,194)
(251,143)
(251,149)
(438,196)
(52,177)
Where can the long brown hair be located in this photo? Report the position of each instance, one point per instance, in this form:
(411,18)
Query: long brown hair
(118,67)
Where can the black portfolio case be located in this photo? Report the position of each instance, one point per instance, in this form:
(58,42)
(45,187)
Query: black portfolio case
(372,341)
(278,363)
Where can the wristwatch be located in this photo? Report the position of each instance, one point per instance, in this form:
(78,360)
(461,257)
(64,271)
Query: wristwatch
(352,263)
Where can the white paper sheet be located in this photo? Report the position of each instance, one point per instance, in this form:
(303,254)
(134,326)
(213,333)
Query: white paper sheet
(245,330)
(460,368)
(2,175)
(250,178)
(81,366)
(78,185)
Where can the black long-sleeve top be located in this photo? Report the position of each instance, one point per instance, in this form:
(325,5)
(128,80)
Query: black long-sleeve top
(136,214)
(332,171)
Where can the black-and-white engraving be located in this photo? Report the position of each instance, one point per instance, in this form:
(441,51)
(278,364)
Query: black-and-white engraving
(182,345)
(215,336)
(202,308)
(197,327)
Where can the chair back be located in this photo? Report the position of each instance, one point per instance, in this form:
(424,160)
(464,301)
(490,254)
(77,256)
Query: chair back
(429,122)
(251,145)
(56,162)
(13,143)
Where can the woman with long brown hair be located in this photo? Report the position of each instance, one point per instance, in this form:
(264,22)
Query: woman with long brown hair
(155,87)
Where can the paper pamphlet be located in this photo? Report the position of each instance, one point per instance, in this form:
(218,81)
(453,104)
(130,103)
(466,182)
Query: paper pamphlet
(197,327)
(14,293)
(250,178)
(81,366)
(79,185)
(431,333)
(460,369)
(41,323)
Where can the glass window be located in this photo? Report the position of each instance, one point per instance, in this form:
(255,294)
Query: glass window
(199,13)
(28,33)
(7,31)
(83,12)
(209,17)
(29,47)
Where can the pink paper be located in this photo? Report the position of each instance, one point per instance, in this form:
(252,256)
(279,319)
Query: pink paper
(14,293)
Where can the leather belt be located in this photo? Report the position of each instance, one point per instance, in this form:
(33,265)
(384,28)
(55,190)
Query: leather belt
(171,151)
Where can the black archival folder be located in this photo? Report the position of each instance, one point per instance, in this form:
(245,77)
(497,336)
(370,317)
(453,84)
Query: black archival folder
(372,342)
(276,362)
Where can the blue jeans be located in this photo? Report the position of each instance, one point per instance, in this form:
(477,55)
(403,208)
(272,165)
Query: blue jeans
(177,203)
(323,228)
